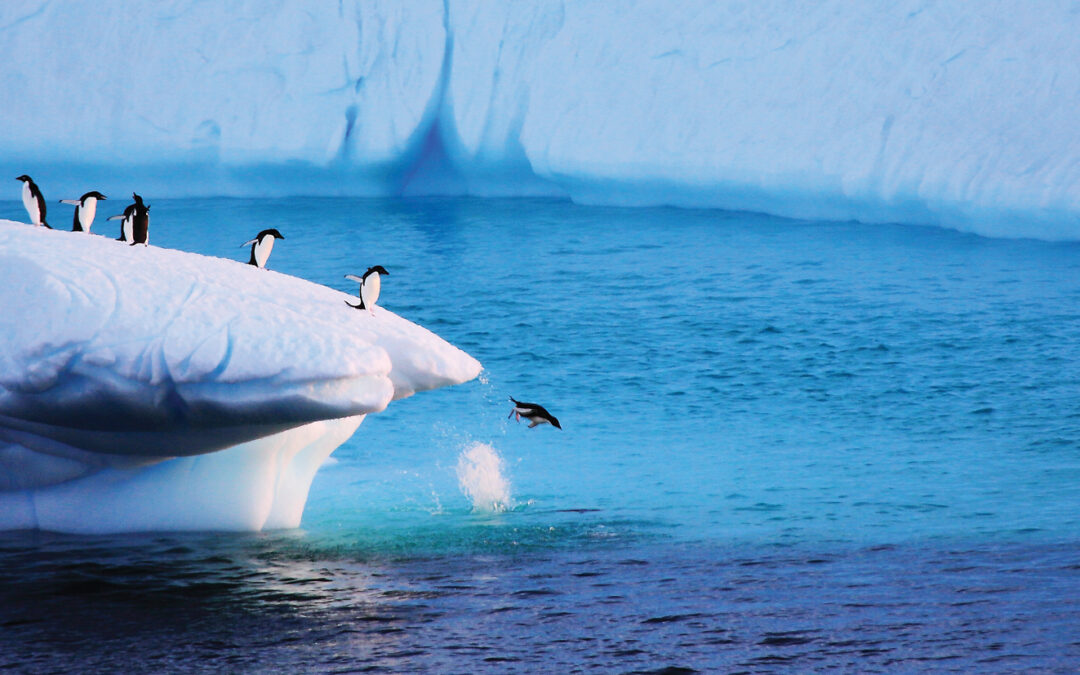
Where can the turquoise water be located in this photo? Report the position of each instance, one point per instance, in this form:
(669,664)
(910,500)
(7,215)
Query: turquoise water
(787,446)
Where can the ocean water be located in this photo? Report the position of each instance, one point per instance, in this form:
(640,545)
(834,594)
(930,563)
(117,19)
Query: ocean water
(787,447)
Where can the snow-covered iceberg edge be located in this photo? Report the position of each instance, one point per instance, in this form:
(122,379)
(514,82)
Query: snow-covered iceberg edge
(950,113)
(153,389)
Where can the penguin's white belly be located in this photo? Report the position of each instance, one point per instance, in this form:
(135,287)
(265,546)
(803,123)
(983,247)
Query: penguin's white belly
(369,291)
(128,228)
(262,250)
(87,213)
(31,204)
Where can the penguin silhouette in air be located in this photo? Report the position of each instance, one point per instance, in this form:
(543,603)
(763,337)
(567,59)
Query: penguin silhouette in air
(370,285)
(85,210)
(33,201)
(536,414)
(261,246)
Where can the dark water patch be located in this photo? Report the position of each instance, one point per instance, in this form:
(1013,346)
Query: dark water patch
(671,618)
(785,639)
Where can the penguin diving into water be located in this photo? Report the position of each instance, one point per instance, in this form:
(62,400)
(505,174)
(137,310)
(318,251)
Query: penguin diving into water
(370,285)
(33,201)
(85,210)
(127,227)
(536,414)
(261,246)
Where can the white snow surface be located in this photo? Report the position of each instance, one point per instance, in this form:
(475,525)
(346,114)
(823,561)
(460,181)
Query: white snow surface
(951,112)
(146,388)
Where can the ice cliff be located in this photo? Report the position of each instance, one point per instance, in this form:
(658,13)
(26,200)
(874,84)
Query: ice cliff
(958,113)
(145,388)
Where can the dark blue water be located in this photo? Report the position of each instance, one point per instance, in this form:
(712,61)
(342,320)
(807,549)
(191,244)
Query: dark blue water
(787,447)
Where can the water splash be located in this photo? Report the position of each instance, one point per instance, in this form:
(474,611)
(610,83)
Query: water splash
(480,476)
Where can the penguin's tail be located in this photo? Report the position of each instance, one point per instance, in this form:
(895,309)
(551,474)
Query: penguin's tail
(46,224)
(360,306)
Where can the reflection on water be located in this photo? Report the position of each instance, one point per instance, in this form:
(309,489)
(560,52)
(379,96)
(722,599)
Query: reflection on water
(141,604)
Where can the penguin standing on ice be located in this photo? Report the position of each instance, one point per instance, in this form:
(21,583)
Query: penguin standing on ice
(536,414)
(140,223)
(33,201)
(370,285)
(261,246)
(125,227)
(85,210)
(128,218)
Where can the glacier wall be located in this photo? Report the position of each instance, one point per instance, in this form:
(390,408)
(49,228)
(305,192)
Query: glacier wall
(959,114)
(153,389)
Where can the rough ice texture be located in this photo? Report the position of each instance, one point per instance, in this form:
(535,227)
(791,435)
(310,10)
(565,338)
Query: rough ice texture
(116,358)
(957,113)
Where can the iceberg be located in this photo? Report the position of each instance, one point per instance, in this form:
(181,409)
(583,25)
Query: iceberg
(954,114)
(151,389)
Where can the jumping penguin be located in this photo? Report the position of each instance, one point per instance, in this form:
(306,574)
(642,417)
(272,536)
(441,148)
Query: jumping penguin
(261,246)
(536,414)
(127,227)
(85,210)
(370,285)
(33,201)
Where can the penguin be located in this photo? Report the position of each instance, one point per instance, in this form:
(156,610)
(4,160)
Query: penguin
(136,222)
(128,217)
(370,285)
(261,246)
(33,201)
(536,414)
(140,224)
(85,210)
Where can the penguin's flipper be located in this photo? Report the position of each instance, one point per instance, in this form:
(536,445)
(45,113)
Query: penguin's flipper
(117,217)
(353,277)
(247,243)
(360,306)
(73,202)
(533,424)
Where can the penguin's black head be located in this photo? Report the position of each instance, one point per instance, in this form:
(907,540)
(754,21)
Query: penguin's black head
(378,268)
(270,233)
(555,422)
(137,198)
(93,193)
(24,178)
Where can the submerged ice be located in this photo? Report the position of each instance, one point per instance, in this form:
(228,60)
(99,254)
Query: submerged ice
(947,113)
(156,389)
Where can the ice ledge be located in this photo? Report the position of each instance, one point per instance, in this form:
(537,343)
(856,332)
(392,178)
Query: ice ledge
(146,388)
(253,486)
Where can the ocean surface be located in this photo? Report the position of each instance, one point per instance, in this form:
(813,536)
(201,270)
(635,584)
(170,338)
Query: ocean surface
(787,447)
